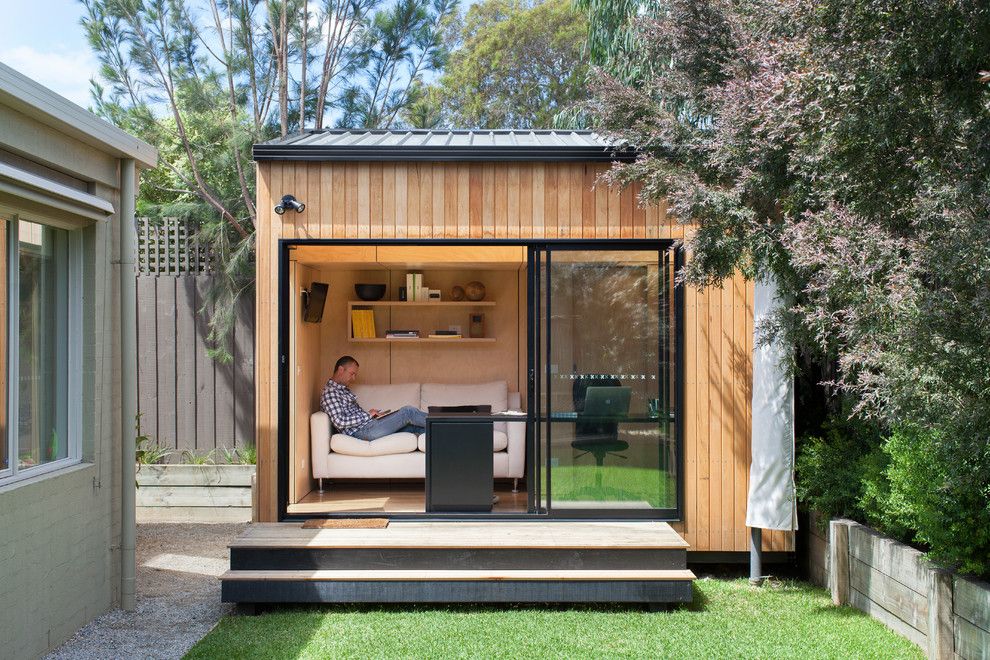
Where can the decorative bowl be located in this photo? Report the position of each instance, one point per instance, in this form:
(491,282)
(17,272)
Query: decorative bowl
(369,291)
(457,293)
(474,291)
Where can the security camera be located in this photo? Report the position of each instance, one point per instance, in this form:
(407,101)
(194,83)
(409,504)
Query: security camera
(289,202)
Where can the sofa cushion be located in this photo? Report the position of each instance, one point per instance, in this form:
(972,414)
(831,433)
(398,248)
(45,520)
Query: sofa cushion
(396,443)
(387,397)
(499,441)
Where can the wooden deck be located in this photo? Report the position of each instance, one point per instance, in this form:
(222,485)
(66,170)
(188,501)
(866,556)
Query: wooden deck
(389,497)
(491,561)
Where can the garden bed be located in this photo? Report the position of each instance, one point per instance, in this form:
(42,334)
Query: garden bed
(946,615)
(194,493)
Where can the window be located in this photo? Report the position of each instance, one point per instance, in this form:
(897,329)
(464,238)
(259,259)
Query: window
(43,349)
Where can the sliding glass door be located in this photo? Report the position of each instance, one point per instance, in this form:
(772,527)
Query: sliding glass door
(606,381)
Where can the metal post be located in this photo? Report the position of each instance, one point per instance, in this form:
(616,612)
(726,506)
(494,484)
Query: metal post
(755,556)
(128,381)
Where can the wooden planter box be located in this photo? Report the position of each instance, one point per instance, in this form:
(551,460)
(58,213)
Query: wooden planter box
(947,615)
(194,493)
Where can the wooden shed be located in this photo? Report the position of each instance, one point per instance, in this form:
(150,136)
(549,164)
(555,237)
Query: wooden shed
(634,392)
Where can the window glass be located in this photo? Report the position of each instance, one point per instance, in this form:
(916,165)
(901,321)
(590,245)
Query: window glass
(608,372)
(42,371)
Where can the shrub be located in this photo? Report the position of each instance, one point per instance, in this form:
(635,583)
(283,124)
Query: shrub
(948,515)
(914,485)
(834,469)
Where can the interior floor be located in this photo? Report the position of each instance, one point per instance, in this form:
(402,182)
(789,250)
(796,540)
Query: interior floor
(391,497)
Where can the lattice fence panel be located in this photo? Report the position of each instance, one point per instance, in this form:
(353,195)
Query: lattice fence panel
(170,246)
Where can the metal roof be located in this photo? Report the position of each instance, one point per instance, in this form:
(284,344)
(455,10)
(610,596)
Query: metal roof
(455,145)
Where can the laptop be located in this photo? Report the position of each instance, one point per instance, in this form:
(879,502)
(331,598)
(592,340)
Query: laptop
(607,401)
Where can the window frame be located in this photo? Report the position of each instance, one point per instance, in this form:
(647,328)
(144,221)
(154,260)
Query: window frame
(74,328)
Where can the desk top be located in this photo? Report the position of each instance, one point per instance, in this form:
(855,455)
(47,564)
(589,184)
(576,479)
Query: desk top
(474,417)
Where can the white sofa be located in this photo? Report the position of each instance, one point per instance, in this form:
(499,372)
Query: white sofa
(401,455)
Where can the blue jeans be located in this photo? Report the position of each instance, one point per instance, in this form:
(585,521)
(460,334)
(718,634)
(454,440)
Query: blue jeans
(408,419)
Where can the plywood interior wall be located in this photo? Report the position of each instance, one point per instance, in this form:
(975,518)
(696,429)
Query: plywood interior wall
(304,390)
(524,200)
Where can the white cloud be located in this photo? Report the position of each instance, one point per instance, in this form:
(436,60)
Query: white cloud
(66,72)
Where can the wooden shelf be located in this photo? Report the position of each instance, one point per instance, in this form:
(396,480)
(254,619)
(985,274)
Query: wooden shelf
(419,303)
(424,340)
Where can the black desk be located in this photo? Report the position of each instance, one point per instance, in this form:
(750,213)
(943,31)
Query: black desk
(459,456)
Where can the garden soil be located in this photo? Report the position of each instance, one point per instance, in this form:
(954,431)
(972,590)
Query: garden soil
(178,596)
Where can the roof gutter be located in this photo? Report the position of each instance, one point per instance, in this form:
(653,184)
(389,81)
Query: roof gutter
(267,152)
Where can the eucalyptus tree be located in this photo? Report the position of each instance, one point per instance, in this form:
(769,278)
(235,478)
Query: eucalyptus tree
(205,79)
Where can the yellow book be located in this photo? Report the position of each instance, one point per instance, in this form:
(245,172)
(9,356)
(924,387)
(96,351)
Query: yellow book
(371,323)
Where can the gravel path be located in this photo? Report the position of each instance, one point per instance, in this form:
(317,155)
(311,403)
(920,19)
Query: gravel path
(178,596)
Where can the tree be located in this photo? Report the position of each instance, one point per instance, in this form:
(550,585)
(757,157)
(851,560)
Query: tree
(519,65)
(844,147)
(205,81)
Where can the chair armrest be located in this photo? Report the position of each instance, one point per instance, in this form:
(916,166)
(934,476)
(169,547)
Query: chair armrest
(319,444)
(516,434)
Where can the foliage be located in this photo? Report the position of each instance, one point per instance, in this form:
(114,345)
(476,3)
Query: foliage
(843,147)
(950,518)
(728,619)
(238,455)
(248,455)
(830,469)
(146,451)
(519,64)
(203,80)
(190,457)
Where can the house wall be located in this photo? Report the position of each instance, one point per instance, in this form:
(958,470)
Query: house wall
(429,200)
(60,532)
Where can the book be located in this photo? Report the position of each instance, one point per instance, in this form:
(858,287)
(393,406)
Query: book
(384,413)
(410,287)
(363,323)
(402,334)
(444,336)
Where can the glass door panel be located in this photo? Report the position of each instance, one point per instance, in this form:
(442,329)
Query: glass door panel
(606,384)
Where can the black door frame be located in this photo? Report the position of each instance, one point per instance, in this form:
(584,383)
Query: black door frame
(532,246)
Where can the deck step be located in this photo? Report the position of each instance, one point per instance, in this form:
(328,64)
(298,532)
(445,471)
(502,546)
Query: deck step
(460,562)
(458,575)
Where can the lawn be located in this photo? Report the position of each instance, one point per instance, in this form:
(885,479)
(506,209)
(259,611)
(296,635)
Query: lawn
(612,483)
(729,619)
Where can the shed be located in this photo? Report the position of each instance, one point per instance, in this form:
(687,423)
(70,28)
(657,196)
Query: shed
(580,296)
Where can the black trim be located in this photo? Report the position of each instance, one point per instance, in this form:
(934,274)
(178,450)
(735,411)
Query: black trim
(679,315)
(283,378)
(535,246)
(270,152)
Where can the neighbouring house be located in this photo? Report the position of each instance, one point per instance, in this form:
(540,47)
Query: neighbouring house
(67,182)
(490,268)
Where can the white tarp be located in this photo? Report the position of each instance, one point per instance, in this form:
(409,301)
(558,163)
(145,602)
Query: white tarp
(772,503)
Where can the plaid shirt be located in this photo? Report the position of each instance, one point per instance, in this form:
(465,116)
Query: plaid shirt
(339,402)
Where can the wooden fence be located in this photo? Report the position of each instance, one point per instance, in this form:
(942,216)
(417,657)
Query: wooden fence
(186,400)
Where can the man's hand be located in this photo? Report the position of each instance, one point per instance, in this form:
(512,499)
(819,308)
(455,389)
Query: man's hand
(374,412)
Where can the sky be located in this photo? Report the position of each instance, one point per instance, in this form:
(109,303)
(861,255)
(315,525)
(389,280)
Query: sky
(43,40)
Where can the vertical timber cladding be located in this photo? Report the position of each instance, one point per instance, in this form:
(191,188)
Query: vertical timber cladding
(426,200)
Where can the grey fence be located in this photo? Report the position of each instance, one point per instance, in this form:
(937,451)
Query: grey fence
(186,400)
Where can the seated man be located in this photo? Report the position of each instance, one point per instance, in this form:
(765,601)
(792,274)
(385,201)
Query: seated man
(340,404)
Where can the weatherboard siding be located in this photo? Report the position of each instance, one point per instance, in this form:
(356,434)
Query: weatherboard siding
(484,200)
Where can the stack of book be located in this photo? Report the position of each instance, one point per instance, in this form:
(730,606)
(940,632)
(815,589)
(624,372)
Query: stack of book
(445,334)
(402,334)
(363,323)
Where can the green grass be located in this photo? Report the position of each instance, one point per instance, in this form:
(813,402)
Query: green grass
(618,483)
(728,619)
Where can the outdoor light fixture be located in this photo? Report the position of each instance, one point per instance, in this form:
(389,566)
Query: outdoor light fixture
(289,202)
